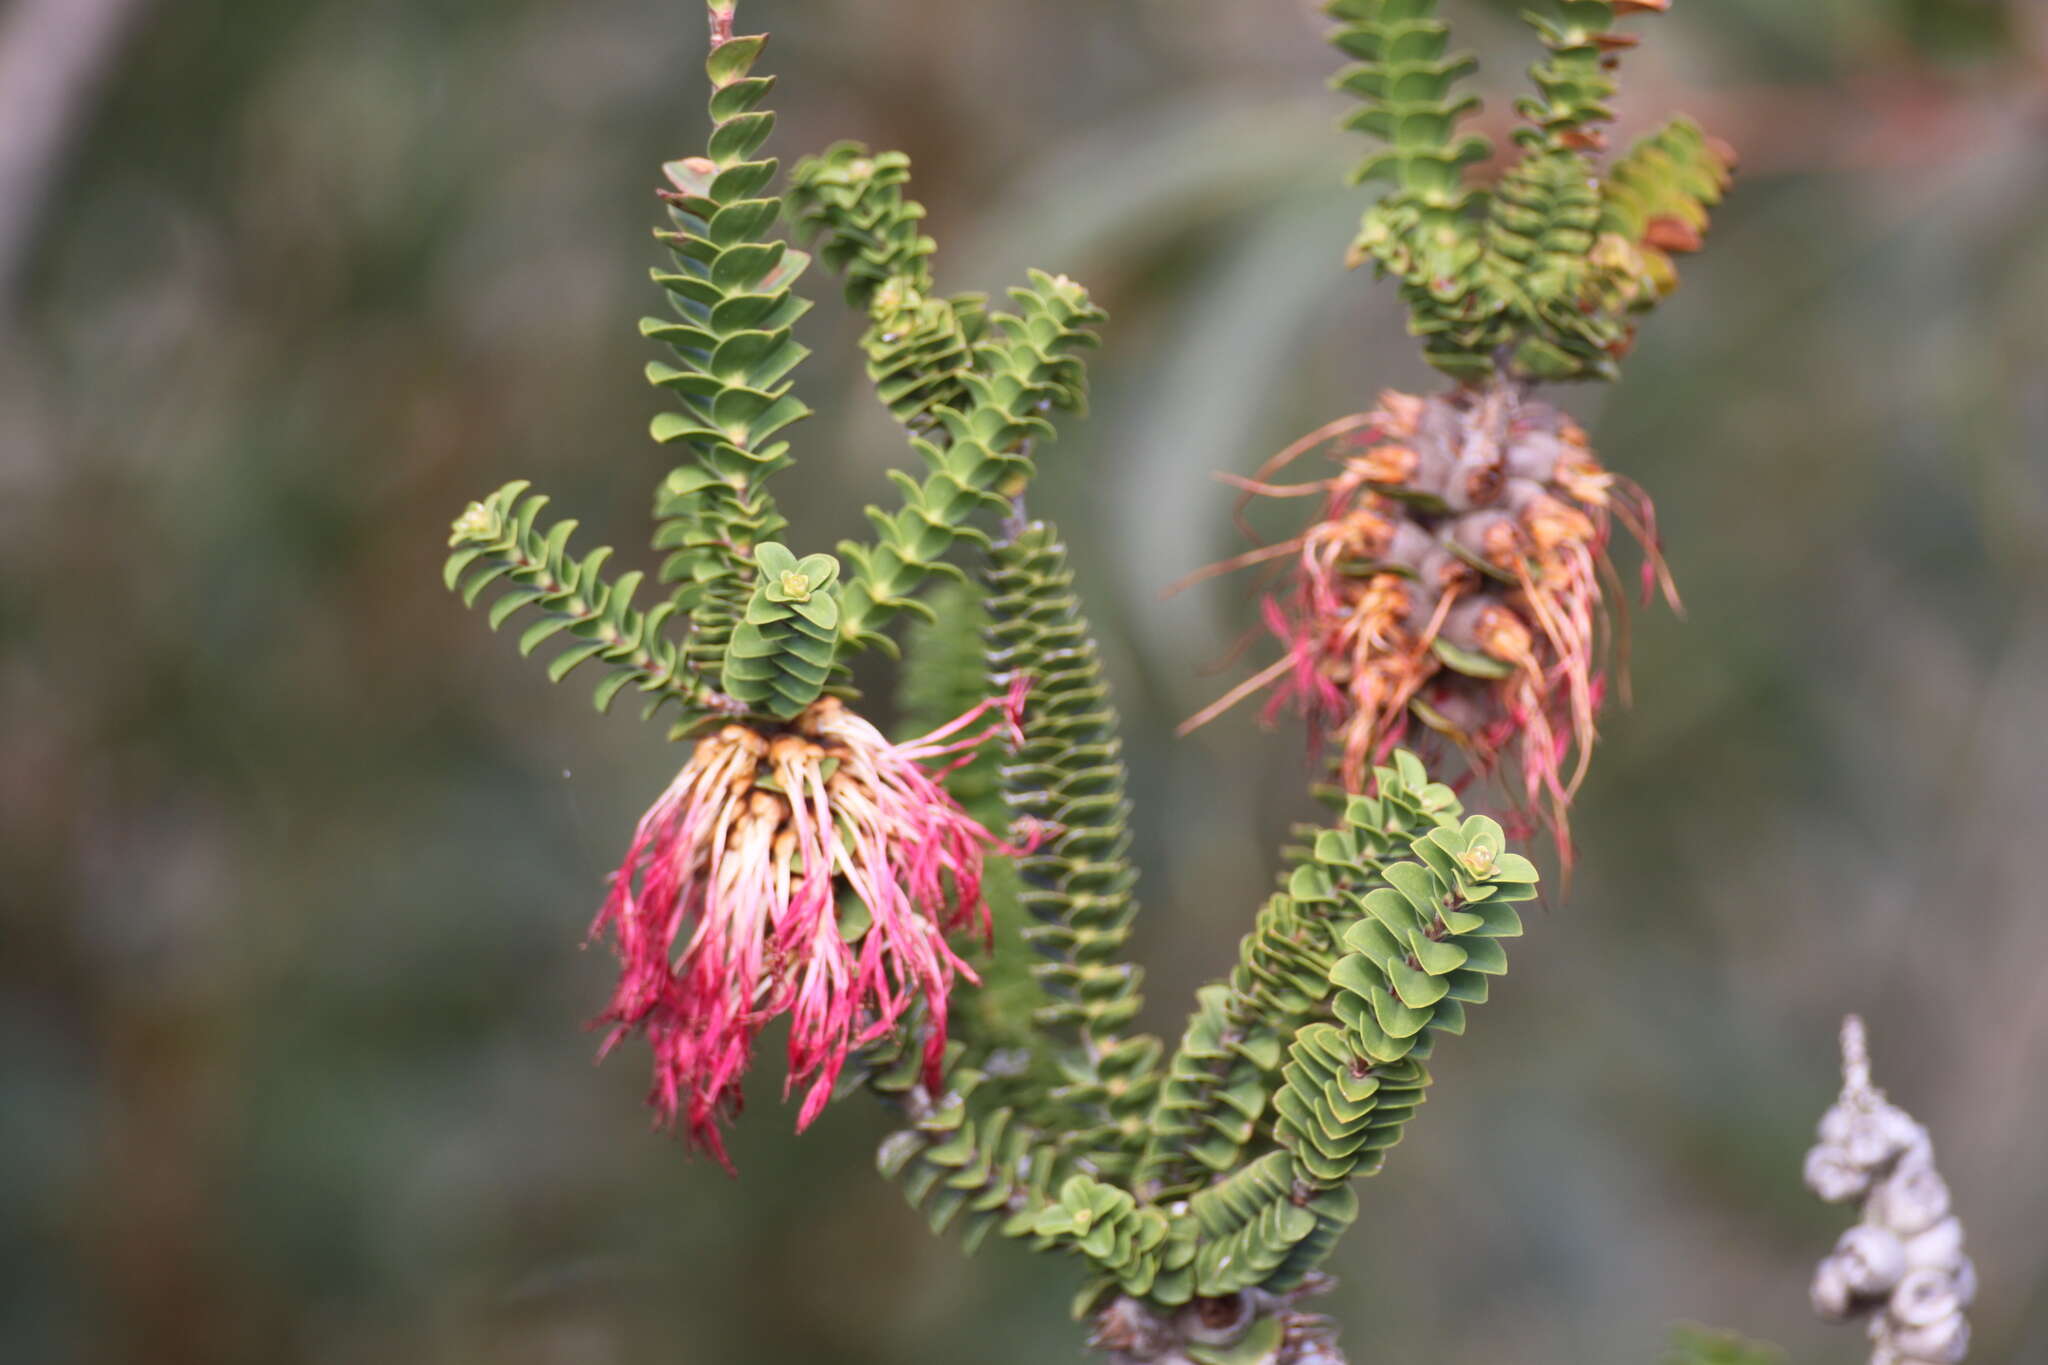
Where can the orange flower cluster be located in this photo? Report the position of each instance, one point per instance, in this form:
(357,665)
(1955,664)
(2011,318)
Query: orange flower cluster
(1455,590)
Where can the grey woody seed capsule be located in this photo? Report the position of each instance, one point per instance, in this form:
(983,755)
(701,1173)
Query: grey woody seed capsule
(1901,1268)
(1872,1259)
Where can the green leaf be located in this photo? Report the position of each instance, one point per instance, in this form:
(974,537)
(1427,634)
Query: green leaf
(734,58)
(535,571)
(1469,662)
(774,559)
(1416,989)
(1437,956)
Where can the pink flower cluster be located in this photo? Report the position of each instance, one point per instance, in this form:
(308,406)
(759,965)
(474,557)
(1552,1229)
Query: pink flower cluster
(813,871)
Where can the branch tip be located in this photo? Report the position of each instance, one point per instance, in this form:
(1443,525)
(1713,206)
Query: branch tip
(1855,1055)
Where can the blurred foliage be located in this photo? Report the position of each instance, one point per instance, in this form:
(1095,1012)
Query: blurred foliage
(288,1016)
(1692,1345)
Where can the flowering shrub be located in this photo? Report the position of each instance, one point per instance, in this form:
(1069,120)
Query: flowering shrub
(1453,602)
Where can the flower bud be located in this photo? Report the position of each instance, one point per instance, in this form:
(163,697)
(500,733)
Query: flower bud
(1477,480)
(1438,571)
(1129,1327)
(1535,456)
(1488,536)
(1218,1321)
(476,523)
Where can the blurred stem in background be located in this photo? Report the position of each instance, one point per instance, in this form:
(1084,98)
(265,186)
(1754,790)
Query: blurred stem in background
(54,55)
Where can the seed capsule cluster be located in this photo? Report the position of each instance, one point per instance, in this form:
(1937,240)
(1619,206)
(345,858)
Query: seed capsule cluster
(1902,1267)
(1457,581)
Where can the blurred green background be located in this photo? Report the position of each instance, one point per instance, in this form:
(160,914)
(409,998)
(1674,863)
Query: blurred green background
(296,857)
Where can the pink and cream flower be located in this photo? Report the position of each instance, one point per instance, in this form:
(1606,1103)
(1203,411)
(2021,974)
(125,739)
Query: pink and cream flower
(814,871)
